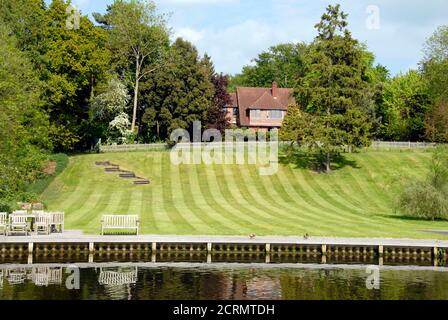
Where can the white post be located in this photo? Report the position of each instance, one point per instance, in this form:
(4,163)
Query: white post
(30,247)
(324,249)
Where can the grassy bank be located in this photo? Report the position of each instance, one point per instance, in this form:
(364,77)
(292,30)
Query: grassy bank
(60,164)
(354,201)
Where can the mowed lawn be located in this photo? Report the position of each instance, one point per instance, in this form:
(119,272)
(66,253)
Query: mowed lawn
(355,201)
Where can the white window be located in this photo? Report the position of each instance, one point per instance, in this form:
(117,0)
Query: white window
(275,114)
(255,114)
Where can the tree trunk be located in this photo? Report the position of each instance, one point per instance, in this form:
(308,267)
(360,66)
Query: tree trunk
(137,80)
(328,162)
(134,112)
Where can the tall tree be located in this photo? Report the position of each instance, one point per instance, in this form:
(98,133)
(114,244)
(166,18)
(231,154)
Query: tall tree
(23,123)
(333,90)
(75,60)
(436,123)
(435,63)
(405,104)
(217,114)
(179,94)
(137,33)
(282,63)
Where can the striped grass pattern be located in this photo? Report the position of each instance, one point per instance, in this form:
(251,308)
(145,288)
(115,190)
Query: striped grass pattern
(355,201)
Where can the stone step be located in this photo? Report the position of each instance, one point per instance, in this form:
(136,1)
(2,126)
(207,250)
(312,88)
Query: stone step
(99,163)
(142,182)
(127,175)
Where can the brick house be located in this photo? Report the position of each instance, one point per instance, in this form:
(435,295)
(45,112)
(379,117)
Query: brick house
(259,108)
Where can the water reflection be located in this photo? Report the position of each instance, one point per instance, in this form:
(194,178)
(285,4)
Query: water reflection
(39,276)
(220,282)
(118,282)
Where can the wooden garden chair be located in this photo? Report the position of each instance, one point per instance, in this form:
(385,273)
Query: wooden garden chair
(18,223)
(57,221)
(42,223)
(3,223)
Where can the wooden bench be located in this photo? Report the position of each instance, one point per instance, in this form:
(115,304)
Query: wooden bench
(117,222)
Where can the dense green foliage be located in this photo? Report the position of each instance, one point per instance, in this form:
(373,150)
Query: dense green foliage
(428,199)
(178,94)
(23,124)
(405,104)
(282,63)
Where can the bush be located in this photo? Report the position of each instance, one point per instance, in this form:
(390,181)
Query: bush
(6,206)
(428,199)
(422,200)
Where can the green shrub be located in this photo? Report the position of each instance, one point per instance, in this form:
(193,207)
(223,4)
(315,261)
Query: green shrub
(6,206)
(422,200)
(427,199)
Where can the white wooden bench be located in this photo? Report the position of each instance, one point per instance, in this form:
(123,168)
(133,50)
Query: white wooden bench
(118,278)
(116,222)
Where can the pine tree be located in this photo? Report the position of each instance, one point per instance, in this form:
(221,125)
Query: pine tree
(334,90)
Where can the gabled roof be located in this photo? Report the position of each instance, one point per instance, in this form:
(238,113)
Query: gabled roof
(268,102)
(263,99)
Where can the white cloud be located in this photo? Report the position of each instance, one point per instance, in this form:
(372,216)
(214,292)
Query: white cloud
(196,2)
(236,45)
(189,34)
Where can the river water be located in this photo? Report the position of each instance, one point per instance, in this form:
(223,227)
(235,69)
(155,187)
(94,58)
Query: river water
(221,281)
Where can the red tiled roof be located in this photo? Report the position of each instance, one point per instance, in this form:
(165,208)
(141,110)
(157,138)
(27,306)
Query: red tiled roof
(261,98)
(268,102)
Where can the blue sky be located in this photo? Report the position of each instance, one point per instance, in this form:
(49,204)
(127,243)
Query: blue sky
(233,32)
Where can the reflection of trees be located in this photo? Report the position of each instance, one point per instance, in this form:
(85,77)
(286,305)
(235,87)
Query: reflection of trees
(226,283)
(348,284)
(167,283)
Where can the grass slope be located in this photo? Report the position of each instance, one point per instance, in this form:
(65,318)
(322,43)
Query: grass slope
(355,201)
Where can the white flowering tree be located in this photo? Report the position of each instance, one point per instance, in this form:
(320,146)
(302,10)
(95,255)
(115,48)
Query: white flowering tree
(113,101)
(110,106)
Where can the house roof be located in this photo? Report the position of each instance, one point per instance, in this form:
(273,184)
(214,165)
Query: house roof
(261,99)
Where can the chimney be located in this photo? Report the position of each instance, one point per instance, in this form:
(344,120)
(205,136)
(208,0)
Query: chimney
(274,89)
